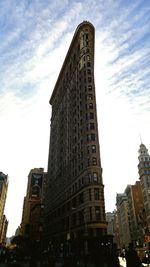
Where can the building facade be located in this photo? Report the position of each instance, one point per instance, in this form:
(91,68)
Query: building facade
(3,196)
(4,230)
(33,205)
(136,205)
(74,203)
(144,176)
(110,217)
(123,220)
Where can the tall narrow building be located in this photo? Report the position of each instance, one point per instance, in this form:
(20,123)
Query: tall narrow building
(136,205)
(74,203)
(144,176)
(33,205)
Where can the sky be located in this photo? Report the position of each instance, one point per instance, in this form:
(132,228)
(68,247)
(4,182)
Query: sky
(34,38)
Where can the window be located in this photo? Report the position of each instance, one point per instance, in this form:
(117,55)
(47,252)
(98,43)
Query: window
(88,137)
(88,58)
(92,126)
(89,71)
(95,177)
(87,127)
(93,149)
(90,195)
(96,194)
(90,211)
(97,213)
(89,79)
(91,115)
(89,97)
(90,105)
(89,87)
(94,161)
(89,177)
(93,137)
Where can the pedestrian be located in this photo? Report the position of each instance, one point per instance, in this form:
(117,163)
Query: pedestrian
(132,258)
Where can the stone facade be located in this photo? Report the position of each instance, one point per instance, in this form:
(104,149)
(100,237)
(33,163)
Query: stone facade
(74,202)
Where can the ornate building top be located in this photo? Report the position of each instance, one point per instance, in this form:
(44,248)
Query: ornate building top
(143,153)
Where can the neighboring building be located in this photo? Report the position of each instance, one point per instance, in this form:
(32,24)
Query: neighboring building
(4,230)
(144,176)
(18,231)
(123,219)
(116,238)
(110,216)
(3,195)
(112,226)
(33,204)
(25,216)
(74,203)
(135,202)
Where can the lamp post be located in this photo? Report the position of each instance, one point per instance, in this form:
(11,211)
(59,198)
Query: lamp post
(68,237)
(85,238)
(69,231)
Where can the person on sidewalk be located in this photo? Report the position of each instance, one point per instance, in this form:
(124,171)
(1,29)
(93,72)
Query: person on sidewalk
(132,258)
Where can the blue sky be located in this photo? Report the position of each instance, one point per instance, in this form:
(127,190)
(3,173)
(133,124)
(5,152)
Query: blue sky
(34,39)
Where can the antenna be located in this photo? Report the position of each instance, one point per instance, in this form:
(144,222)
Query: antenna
(140,138)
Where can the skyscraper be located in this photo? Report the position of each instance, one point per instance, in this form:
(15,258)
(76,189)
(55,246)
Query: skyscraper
(144,175)
(74,203)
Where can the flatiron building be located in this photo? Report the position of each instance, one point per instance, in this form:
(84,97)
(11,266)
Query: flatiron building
(74,202)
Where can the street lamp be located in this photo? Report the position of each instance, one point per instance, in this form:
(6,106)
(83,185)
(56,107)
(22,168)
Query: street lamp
(85,238)
(85,234)
(69,232)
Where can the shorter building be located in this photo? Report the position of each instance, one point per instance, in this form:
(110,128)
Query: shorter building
(4,230)
(123,219)
(136,205)
(112,226)
(110,220)
(3,195)
(131,220)
(133,206)
(32,215)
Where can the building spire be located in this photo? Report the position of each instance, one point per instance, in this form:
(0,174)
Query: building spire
(143,153)
(140,138)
